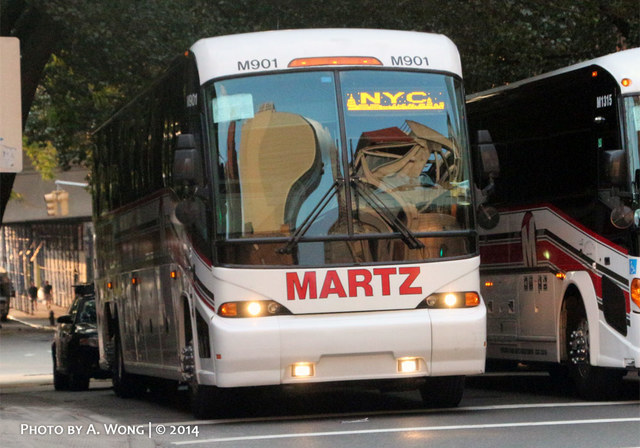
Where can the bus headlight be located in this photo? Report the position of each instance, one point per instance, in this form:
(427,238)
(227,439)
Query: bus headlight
(451,300)
(253,308)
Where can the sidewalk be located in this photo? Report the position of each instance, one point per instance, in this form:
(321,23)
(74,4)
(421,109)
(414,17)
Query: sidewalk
(40,318)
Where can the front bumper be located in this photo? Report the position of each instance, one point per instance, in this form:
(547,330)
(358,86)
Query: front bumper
(346,347)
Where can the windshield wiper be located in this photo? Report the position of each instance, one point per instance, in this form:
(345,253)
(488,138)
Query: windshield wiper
(320,206)
(387,215)
(371,199)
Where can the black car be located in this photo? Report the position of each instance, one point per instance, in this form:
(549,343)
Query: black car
(75,345)
(6,293)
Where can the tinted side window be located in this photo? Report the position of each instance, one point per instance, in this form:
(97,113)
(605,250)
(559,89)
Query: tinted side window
(540,131)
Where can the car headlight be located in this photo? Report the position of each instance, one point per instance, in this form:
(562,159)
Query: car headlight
(451,300)
(254,308)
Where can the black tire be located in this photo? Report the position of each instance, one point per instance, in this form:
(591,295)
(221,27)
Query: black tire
(79,380)
(206,401)
(214,402)
(203,399)
(591,382)
(60,380)
(443,391)
(124,384)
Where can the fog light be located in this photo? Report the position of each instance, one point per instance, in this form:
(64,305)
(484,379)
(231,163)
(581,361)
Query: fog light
(408,365)
(302,370)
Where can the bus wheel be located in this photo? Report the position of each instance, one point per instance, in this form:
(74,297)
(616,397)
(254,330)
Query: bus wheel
(591,382)
(206,401)
(443,391)
(124,384)
(203,400)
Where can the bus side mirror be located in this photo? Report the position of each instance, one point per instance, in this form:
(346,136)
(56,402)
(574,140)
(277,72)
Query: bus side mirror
(487,155)
(188,171)
(614,167)
(187,163)
(488,168)
(189,211)
(488,217)
(615,173)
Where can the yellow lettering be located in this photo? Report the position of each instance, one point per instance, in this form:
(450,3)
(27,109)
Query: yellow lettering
(372,101)
(411,95)
(364,97)
(393,98)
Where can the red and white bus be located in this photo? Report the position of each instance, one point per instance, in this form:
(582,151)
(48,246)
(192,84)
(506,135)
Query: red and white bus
(291,207)
(560,267)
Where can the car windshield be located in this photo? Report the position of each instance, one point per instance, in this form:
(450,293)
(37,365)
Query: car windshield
(331,167)
(87,312)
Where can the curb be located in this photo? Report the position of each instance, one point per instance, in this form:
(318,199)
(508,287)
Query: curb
(37,326)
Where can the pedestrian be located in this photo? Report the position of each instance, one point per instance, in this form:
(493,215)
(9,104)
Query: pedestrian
(33,296)
(48,296)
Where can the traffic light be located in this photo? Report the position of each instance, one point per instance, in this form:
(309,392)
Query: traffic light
(51,200)
(57,203)
(63,202)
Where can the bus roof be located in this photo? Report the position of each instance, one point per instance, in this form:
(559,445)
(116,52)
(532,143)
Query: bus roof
(621,65)
(249,53)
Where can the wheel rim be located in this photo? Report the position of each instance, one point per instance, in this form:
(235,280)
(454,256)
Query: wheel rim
(579,347)
(188,363)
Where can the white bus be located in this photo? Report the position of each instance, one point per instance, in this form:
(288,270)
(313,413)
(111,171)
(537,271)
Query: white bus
(560,268)
(291,207)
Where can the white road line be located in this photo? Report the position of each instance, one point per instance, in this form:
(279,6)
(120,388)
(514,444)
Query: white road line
(415,429)
(361,415)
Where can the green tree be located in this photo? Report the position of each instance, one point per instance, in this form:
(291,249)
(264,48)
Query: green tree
(109,51)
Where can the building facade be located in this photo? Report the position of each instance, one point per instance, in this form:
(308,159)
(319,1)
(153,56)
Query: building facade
(36,248)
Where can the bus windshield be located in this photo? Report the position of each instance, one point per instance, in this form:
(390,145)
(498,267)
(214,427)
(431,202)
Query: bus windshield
(331,167)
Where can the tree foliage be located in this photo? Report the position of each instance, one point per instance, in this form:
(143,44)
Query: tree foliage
(44,157)
(110,50)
